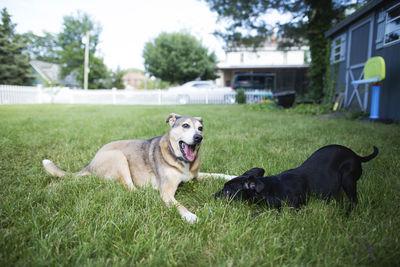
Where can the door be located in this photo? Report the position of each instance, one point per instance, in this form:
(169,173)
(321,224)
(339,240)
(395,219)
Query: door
(359,51)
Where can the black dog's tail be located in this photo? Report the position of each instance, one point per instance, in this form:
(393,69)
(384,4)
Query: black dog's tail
(369,157)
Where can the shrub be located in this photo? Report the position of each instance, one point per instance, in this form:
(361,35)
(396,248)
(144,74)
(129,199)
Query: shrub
(240,97)
(263,106)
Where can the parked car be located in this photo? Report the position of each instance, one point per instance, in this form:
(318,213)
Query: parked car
(202,92)
(254,81)
(260,85)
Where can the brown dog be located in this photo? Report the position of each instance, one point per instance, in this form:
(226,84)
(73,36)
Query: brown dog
(164,161)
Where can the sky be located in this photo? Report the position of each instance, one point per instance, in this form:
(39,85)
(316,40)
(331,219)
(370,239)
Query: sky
(126,25)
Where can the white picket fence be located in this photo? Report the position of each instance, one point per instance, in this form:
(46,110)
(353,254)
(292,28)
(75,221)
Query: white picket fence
(38,95)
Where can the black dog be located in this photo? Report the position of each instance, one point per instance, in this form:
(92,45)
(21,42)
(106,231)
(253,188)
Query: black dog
(323,174)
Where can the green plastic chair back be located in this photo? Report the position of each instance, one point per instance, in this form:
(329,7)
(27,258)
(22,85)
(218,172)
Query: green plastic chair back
(375,68)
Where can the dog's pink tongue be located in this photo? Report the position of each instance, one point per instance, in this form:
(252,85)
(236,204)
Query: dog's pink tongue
(189,152)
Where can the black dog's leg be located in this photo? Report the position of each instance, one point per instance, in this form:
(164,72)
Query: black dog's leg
(350,188)
(270,202)
(255,214)
(274,202)
(295,203)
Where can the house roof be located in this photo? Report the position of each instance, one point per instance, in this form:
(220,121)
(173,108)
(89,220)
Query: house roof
(134,76)
(50,72)
(353,17)
(303,66)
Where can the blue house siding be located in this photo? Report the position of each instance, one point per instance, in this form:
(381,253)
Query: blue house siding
(361,32)
(390,92)
(339,71)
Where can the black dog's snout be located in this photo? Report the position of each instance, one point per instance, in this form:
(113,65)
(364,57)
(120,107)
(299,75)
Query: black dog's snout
(197,138)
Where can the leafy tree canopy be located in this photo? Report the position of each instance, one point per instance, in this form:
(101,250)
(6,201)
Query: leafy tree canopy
(248,25)
(178,58)
(71,42)
(248,21)
(14,65)
(44,48)
(115,80)
(67,48)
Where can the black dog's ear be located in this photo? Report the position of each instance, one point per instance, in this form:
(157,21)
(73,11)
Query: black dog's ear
(258,172)
(253,183)
(250,185)
(255,172)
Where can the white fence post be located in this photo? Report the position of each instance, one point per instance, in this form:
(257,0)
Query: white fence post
(71,95)
(39,94)
(114,95)
(2,95)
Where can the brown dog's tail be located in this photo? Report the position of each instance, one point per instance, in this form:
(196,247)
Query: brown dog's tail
(57,172)
(369,157)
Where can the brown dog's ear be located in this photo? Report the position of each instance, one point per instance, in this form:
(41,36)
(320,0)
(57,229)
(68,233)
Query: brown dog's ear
(200,119)
(171,119)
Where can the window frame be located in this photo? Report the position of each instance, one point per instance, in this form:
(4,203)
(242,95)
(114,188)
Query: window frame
(342,49)
(387,21)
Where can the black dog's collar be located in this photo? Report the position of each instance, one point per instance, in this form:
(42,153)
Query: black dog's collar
(175,156)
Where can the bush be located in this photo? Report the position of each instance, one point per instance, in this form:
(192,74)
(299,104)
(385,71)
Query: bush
(263,106)
(240,97)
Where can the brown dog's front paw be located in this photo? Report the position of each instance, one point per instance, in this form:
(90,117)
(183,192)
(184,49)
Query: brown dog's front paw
(190,217)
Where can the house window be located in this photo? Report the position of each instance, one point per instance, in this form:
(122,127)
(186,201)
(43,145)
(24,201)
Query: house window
(392,25)
(338,49)
(380,29)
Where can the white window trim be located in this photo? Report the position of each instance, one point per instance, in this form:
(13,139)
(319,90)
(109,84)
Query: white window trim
(386,22)
(342,52)
(380,28)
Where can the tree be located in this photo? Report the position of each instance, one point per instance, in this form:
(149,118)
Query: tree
(72,50)
(14,65)
(178,58)
(248,25)
(116,79)
(68,49)
(44,48)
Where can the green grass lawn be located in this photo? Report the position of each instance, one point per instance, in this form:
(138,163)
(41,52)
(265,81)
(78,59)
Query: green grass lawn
(90,221)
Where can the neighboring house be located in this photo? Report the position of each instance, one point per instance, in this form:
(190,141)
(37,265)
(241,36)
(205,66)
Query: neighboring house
(289,66)
(45,73)
(134,80)
(49,74)
(373,30)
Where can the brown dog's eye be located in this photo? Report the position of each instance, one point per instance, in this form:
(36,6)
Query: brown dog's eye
(185,125)
(200,129)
